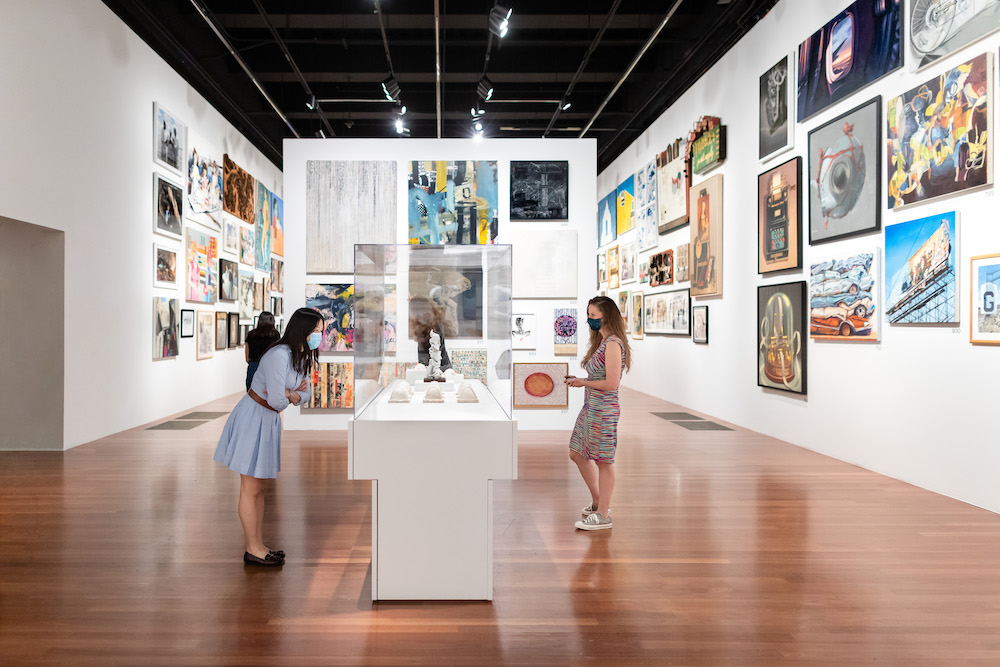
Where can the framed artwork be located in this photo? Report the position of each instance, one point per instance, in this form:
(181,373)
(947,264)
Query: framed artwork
(776,104)
(629,261)
(940,135)
(390,326)
(565,331)
(229,288)
(843,298)
(246,246)
(844,183)
(672,193)
(856,47)
(246,295)
(231,237)
(647,218)
(921,281)
(258,296)
(706,145)
(984,314)
(336,304)
(779,217)
(706,238)
(523,332)
(169,136)
(681,259)
(937,29)
(545,264)
(781,348)
(206,334)
(202,273)
(256,319)
(262,229)
(187,324)
(277,275)
(624,307)
(661,268)
(204,185)
(635,317)
(644,273)
(166,327)
(266,282)
(237,191)
(234,329)
(541,385)
(277,306)
(331,386)
(607,219)
(699,324)
(244,330)
(613,268)
(539,190)
(167,207)
(668,313)
(221,330)
(164,266)
(625,206)
(452,203)
(602,268)
(277,209)
(469,363)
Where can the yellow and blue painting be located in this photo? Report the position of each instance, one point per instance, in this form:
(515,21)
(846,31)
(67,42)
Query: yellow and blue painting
(453,203)
(625,205)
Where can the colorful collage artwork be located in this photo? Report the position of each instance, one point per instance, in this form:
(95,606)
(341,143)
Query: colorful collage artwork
(336,304)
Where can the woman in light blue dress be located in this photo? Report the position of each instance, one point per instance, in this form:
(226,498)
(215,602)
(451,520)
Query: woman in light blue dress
(251,440)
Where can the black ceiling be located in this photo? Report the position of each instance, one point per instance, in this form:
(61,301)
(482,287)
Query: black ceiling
(336,46)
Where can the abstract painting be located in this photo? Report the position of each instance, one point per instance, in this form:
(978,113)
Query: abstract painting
(237,191)
(939,28)
(169,136)
(347,202)
(623,307)
(939,139)
(565,331)
(164,266)
(228,280)
(635,317)
(613,275)
(336,304)
(277,225)
(539,190)
(541,385)
(545,263)
(844,183)
(859,45)
(706,238)
(661,268)
(166,327)
(699,324)
(921,282)
(187,323)
(681,259)
(843,298)
(221,331)
(262,229)
(246,246)
(523,332)
(985,310)
(625,206)
(231,237)
(668,313)
(169,199)
(331,386)
(779,217)
(607,226)
(647,217)
(202,277)
(206,334)
(781,343)
(469,363)
(204,184)
(453,203)
(234,329)
(629,269)
(672,193)
(775,132)
(246,295)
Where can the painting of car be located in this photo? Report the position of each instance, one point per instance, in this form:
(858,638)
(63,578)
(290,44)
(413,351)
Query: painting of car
(843,302)
(833,282)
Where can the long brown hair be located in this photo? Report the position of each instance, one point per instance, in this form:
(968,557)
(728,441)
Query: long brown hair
(613,322)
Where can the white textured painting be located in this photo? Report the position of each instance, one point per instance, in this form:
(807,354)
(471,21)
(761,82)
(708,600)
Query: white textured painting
(544,263)
(347,202)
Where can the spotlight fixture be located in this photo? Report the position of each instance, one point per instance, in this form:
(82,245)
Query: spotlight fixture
(478,125)
(485,88)
(500,20)
(311,102)
(391,88)
(476,111)
(399,126)
(402,110)
(565,105)
(320,134)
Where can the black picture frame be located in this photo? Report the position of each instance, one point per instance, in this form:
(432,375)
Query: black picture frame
(233,320)
(528,188)
(694,335)
(773,362)
(187,323)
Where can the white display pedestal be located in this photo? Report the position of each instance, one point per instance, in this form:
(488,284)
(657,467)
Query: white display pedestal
(432,466)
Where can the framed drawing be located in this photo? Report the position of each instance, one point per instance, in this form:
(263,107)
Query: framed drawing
(187,324)
(681,259)
(336,304)
(706,146)
(984,313)
(613,268)
(843,298)
(706,238)
(204,186)
(668,313)
(921,281)
(234,329)
(539,190)
(221,330)
(607,216)
(661,268)
(647,216)
(781,343)
(779,218)
(629,260)
(938,29)
(635,317)
(624,307)
(166,327)
(523,332)
(844,178)
(202,271)
(673,180)
(776,133)
(246,295)
(699,324)
(565,331)
(940,135)
(206,334)
(229,288)
(452,203)
(167,207)
(856,47)
(541,385)
(470,363)
(237,191)
(169,137)
(244,330)
(625,206)
(164,266)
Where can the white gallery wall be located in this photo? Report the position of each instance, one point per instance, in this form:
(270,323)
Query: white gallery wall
(917,405)
(77,141)
(581,154)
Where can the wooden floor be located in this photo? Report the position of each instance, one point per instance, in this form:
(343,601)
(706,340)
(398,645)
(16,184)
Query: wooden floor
(729,548)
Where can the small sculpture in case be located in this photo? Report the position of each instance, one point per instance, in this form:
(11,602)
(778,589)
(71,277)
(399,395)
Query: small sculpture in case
(466,394)
(402,393)
(434,394)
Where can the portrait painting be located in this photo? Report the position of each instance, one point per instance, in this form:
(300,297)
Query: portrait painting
(228,280)
(523,332)
(636,323)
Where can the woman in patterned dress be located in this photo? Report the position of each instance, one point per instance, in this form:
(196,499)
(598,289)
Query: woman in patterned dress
(595,436)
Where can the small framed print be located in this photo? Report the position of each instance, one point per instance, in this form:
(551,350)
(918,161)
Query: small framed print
(221,330)
(164,266)
(169,139)
(984,313)
(187,324)
(699,324)
(234,329)
(636,323)
(168,207)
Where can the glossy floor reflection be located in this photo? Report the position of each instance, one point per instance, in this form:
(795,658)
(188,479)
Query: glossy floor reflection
(729,548)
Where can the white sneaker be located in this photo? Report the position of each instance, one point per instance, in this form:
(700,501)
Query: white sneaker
(594,522)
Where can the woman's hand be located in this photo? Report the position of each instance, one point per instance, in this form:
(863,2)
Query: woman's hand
(574,381)
(293,397)
(303,385)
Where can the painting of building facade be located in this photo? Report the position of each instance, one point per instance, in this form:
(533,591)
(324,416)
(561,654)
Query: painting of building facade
(607,212)
(625,206)
(921,283)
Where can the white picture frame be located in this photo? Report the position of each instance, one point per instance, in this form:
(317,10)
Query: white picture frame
(160,277)
(168,207)
(169,140)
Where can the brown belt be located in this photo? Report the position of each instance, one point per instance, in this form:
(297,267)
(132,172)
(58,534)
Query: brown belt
(255,396)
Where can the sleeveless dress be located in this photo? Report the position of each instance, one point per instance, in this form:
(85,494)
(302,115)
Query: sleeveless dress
(595,435)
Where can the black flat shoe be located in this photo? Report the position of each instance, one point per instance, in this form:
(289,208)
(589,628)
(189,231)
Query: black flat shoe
(269,560)
(279,553)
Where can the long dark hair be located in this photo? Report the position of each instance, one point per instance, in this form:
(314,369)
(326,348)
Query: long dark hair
(300,325)
(265,326)
(611,319)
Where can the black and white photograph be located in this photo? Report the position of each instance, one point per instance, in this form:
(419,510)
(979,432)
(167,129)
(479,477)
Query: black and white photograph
(228,280)
(169,136)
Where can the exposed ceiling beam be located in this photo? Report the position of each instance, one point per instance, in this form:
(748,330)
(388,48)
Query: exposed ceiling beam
(369,21)
(446,77)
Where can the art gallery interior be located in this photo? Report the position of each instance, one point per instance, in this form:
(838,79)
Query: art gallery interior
(791,200)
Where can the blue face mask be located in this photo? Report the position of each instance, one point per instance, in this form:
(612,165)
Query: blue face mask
(594,324)
(315,338)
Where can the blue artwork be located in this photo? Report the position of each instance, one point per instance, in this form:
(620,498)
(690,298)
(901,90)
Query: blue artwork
(607,212)
(453,203)
(920,260)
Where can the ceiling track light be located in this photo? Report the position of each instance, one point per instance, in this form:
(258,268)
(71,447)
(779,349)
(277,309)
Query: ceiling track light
(400,128)
(311,103)
(564,105)
(500,20)
(390,87)
(485,88)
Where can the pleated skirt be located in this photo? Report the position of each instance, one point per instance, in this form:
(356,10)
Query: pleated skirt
(251,440)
